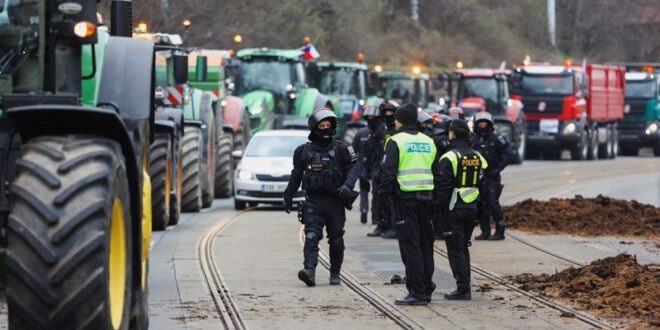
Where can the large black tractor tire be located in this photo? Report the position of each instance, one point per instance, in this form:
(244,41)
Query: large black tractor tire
(191,170)
(140,320)
(69,252)
(208,168)
(160,171)
(238,141)
(177,179)
(223,168)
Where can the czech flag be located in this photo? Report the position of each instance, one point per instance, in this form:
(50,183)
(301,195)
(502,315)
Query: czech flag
(310,52)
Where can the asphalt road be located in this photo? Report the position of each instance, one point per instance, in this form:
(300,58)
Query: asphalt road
(259,255)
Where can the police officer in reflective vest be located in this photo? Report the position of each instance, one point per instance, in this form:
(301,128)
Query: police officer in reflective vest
(497,151)
(328,174)
(460,171)
(368,143)
(407,182)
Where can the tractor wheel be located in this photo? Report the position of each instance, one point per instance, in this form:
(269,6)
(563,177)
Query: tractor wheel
(223,167)
(160,172)
(177,178)
(69,253)
(140,320)
(191,200)
(349,134)
(208,172)
(239,141)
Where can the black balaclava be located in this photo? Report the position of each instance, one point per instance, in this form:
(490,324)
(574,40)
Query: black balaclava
(483,131)
(323,137)
(373,123)
(389,119)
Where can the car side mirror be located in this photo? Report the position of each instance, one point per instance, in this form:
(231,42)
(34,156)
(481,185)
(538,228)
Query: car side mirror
(237,154)
(180,67)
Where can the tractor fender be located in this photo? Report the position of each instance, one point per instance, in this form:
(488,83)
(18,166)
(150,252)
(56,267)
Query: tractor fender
(40,120)
(173,116)
(259,103)
(234,113)
(193,123)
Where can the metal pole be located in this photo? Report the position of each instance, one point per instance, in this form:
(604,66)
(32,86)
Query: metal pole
(414,10)
(552,26)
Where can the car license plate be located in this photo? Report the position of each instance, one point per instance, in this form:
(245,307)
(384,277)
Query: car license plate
(272,188)
(549,125)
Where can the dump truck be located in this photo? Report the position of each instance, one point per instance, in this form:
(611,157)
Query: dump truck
(273,84)
(76,122)
(571,107)
(488,89)
(640,126)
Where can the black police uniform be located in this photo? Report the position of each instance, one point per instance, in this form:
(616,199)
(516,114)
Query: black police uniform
(369,144)
(325,167)
(460,220)
(359,142)
(497,152)
(442,144)
(411,214)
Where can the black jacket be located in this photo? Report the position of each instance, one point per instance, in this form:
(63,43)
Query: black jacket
(496,150)
(445,187)
(388,186)
(346,157)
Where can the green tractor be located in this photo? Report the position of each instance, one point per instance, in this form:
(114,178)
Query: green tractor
(404,86)
(76,122)
(345,83)
(274,87)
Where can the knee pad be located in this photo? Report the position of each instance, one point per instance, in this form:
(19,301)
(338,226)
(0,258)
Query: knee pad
(312,237)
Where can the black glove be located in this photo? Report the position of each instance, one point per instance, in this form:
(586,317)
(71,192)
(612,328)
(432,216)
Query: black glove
(344,192)
(288,204)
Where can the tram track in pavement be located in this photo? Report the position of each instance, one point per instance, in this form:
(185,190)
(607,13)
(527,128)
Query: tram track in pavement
(379,302)
(583,317)
(225,306)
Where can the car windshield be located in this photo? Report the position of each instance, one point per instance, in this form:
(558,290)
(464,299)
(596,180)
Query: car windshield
(274,146)
(272,76)
(21,57)
(337,82)
(400,89)
(640,88)
(546,84)
(485,88)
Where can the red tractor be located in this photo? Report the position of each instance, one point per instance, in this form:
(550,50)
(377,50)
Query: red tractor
(488,89)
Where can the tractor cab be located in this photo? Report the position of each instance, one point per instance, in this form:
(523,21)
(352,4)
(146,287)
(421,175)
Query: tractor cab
(403,86)
(482,89)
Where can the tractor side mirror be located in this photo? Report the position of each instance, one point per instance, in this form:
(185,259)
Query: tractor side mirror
(202,69)
(180,64)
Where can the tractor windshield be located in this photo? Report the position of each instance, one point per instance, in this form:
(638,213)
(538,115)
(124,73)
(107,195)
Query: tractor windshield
(338,82)
(546,84)
(400,89)
(270,75)
(21,45)
(640,88)
(485,88)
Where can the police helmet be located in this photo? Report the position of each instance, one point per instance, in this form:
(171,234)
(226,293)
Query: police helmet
(388,105)
(458,124)
(483,116)
(456,113)
(424,117)
(320,115)
(371,110)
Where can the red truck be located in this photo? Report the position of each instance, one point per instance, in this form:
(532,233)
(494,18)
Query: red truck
(571,107)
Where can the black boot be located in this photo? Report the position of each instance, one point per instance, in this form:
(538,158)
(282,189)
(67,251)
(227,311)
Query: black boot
(411,301)
(377,231)
(390,234)
(499,232)
(307,276)
(482,237)
(363,217)
(335,279)
(458,295)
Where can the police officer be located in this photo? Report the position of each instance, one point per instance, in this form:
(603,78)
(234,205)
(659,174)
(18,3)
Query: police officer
(425,122)
(497,151)
(326,168)
(460,173)
(381,216)
(368,144)
(407,182)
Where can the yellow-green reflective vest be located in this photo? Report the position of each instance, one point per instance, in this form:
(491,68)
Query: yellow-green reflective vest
(416,155)
(467,170)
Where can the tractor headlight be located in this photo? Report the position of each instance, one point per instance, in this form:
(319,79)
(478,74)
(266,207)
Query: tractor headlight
(292,96)
(651,129)
(245,175)
(569,129)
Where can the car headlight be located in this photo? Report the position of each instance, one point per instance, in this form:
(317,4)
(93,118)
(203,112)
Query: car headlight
(652,129)
(569,129)
(245,175)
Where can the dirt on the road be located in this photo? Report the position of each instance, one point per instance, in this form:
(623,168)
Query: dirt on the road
(616,287)
(585,217)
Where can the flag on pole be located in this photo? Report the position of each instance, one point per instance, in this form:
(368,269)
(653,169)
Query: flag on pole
(310,52)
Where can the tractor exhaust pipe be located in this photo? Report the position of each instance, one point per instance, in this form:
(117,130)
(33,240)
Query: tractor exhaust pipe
(121,18)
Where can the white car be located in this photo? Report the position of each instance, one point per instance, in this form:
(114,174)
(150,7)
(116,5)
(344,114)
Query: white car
(265,167)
